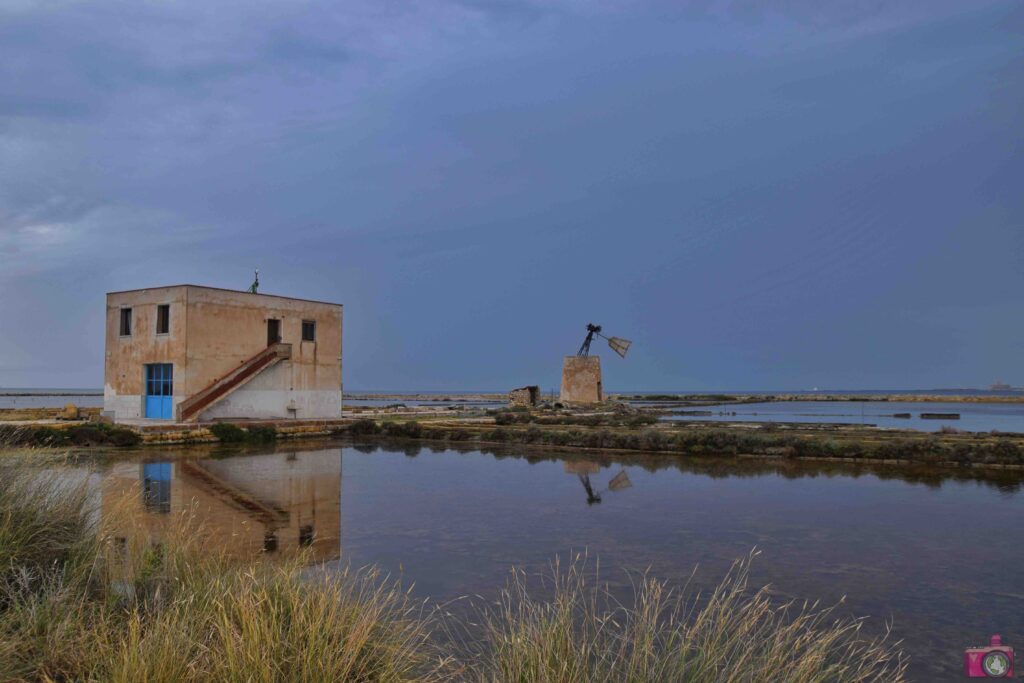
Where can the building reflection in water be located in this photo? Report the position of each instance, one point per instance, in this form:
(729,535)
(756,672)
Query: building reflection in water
(279,504)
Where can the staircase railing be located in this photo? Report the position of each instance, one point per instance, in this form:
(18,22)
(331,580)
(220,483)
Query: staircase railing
(191,407)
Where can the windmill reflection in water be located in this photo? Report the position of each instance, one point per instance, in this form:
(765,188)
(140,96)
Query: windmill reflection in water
(584,468)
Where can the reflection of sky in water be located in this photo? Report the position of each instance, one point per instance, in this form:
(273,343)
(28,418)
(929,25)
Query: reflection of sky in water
(381,402)
(50,401)
(975,417)
(944,563)
(942,559)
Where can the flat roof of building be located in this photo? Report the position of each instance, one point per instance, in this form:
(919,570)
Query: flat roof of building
(223,289)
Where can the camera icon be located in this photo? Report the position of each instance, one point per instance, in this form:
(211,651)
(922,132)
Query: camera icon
(993,661)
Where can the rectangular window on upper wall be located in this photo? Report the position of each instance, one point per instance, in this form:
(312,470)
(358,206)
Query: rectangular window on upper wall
(308,330)
(126,322)
(163,319)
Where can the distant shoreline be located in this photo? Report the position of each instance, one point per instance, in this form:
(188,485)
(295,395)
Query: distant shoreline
(51,393)
(693,398)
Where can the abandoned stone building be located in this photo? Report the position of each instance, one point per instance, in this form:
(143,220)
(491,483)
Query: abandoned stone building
(527,396)
(187,353)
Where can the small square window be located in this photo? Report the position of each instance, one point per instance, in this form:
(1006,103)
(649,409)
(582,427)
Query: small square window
(126,322)
(308,330)
(306,536)
(163,319)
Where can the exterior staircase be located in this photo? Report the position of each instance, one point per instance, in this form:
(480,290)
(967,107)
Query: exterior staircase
(189,409)
(270,515)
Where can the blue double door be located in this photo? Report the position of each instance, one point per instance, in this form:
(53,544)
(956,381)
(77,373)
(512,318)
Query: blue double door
(160,391)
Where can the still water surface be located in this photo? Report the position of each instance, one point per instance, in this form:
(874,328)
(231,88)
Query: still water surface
(48,398)
(943,559)
(974,417)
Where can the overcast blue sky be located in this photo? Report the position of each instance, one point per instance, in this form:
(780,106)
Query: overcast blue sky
(823,194)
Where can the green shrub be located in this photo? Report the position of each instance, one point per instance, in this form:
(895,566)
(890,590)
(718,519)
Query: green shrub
(508,417)
(364,426)
(640,420)
(262,434)
(76,435)
(497,435)
(124,437)
(227,432)
(404,430)
(231,433)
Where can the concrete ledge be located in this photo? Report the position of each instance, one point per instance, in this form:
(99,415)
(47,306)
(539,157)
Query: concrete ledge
(191,432)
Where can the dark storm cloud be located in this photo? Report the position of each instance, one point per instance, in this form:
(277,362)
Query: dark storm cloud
(746,191)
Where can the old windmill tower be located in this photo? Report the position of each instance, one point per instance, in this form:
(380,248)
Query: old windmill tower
(581,374)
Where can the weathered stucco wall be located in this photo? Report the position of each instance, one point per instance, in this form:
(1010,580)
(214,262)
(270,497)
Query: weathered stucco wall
(225,329)
(265,397)
(212,332)
(581,380)
(125,357)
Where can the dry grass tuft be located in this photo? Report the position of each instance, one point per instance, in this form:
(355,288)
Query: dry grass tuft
(584,635)
(74,605)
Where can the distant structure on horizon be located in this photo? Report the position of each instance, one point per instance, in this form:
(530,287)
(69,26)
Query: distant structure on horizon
(525,397)
(1000,386)
(187,353)
(581,374)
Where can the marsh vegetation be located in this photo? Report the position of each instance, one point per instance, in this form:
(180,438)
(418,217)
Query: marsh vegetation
(636,434)
(79,604)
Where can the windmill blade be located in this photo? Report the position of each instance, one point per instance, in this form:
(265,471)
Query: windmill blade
(619,481)
(619,345)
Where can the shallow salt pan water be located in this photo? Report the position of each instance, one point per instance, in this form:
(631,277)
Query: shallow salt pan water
(942,559)
(974,417)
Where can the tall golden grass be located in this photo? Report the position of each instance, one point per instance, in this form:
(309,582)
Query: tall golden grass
(583,634)
(76,606)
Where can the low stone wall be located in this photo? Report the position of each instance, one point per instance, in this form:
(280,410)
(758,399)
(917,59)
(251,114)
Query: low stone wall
(200,433)
(26,414)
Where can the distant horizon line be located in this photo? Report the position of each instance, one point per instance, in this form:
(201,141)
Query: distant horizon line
(99,391)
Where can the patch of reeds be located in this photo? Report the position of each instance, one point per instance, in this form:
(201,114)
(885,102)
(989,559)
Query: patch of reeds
(78,604)
(88,434)
(44,523)
(583,634)
(231,433)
